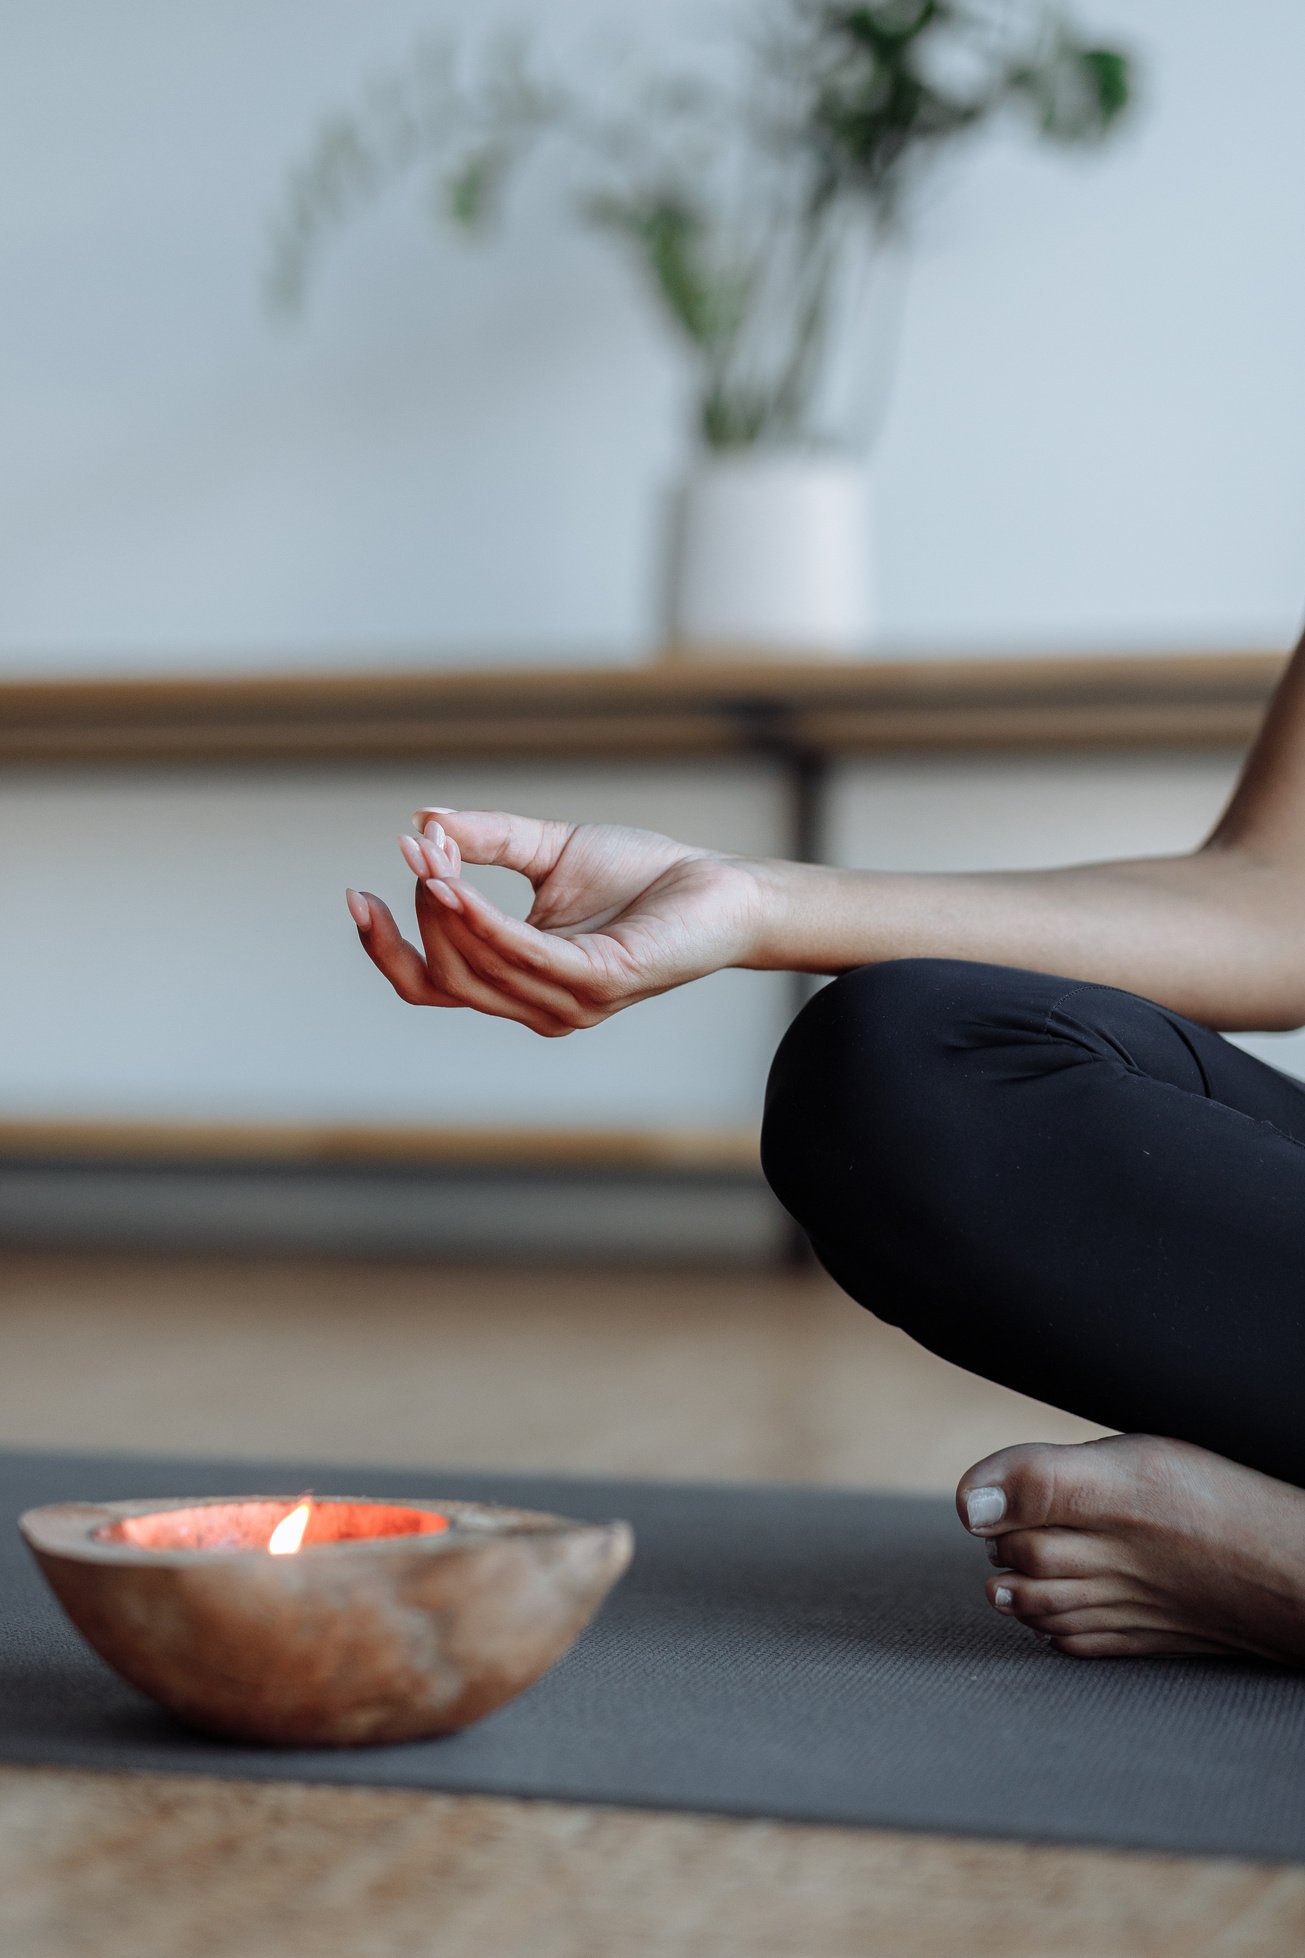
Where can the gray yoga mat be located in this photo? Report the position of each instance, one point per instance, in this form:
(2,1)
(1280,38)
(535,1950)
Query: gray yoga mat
(812,1655)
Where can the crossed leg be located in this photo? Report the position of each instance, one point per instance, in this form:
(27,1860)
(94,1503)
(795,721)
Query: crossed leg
(1069,1189)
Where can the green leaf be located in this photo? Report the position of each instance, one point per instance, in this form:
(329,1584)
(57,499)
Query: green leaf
(708,300)
(473,191)
(884,29)
(1112,73)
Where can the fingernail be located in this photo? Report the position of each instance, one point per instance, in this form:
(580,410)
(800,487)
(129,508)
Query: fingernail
(984,1507)
(434,832)
(413,855)
(433,857)
(1003,1597)
(431,809)
(359,909)
(439,889)
(994,1551)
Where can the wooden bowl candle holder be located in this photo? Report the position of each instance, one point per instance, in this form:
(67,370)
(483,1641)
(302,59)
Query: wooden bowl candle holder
(333,1621)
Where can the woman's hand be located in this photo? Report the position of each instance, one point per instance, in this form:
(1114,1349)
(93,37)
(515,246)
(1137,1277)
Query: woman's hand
(619,915)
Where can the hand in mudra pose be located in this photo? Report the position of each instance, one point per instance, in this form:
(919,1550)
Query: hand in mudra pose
(618,915)
(1014,1131)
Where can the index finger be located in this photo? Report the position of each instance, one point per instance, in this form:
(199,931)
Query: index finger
(528,844)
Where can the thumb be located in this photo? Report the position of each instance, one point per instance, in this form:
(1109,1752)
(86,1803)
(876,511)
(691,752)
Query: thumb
(527,844)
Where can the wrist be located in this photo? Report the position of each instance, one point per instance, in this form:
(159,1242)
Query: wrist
(786,901)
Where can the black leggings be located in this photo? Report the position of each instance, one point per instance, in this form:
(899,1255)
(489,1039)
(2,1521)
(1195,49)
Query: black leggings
(1059,1186)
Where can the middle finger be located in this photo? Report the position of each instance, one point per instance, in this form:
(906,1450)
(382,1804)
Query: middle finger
(454,951)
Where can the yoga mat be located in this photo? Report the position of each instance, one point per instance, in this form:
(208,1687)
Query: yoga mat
(807,1654)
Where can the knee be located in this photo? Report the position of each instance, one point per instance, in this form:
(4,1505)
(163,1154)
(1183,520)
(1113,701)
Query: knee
(877,1083)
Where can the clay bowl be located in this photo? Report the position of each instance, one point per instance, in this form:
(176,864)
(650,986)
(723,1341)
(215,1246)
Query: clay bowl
(395,1621)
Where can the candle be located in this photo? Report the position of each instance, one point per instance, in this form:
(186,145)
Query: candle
(288,1535)
(330,1621)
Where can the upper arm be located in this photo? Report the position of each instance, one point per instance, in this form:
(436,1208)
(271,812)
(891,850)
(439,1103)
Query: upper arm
(1265,816)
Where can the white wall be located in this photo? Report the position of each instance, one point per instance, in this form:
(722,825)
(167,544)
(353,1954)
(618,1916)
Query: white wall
(1095,437)
(1096,441)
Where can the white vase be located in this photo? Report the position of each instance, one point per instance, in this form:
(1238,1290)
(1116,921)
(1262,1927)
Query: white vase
(770,555)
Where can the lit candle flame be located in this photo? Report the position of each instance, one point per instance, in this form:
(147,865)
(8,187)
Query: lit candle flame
(289,1532)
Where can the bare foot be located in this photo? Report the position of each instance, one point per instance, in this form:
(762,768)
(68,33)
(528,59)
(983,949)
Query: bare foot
(1136,1546)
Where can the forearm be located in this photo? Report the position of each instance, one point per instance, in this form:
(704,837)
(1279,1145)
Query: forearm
(1211,935)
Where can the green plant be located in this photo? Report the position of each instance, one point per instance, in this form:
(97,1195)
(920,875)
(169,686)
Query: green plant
(744,200)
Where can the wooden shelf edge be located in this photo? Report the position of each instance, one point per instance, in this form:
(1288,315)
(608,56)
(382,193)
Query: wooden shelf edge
(663,707)
(680,1151)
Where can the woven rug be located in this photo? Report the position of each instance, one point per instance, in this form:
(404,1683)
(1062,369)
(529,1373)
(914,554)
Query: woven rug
(806,1654)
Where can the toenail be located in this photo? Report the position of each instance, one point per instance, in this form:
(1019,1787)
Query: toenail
(984,1506)
(1003,1597)
(993,1549)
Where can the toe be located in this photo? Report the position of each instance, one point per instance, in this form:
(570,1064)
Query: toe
(1137,1643)
(1052,1553)
(1014,1488)
(1034,1601)
(1074,1485)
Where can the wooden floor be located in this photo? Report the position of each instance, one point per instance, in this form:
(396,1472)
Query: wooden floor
(723,1375)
